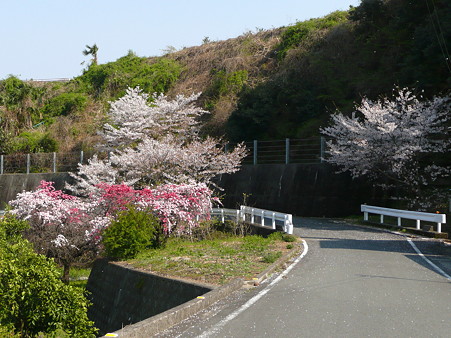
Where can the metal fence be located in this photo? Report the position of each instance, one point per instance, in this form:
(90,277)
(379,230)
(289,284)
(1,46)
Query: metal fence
(307,151)
(42,162)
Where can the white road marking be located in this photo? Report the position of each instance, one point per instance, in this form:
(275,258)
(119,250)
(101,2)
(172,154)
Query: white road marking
(254,299)
(435,267)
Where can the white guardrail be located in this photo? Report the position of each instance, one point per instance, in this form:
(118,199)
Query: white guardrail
(261,217)
(416,215)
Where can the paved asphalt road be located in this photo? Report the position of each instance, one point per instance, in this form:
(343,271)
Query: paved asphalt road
(353,282)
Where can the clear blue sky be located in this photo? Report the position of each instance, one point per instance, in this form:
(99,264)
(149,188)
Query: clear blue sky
(44,39)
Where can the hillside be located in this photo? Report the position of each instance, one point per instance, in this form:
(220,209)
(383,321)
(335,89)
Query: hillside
(269,84)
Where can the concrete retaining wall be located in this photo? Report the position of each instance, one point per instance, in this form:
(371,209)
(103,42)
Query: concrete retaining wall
(12,184)
(122,296)
(303,190)
(298,189)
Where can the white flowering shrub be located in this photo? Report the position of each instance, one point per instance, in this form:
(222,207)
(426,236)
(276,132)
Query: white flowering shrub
(390,141)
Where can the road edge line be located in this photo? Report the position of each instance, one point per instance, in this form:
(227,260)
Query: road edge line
(435,267)
(254,299)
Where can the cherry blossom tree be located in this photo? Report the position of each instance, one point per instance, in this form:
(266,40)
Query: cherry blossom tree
(156,143)
(62,226)
(391,140)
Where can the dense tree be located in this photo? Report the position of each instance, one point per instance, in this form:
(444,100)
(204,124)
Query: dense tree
(330,62)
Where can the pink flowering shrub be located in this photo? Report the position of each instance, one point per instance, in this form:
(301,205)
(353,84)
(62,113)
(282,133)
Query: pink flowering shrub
(66,227)
(179,207)
(61,226)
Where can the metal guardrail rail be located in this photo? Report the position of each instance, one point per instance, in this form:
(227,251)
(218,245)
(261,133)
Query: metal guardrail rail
(418,216)
(265,218)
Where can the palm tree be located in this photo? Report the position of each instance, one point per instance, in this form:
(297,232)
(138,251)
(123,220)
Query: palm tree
(92,50)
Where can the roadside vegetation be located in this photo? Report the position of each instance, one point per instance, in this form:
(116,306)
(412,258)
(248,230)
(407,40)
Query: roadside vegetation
(217,258)
(33,299)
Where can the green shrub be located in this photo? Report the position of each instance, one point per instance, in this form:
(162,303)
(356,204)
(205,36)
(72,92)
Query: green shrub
(64,104)
(33,142)
(33,299)
(133,231)
(294,35)
(110,80)
(271,257)
(223,84)
(289,238)
(276,236)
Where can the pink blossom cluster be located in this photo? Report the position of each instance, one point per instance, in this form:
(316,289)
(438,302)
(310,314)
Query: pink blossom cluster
(68,223)
(64,220)
(179,207)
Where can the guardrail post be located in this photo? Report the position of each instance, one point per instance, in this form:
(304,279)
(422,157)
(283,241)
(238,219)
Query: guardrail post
(54,162)
(273,223)
(252,215)
(382,219)
(255,152)
(322,147)
(28,163)
(263,218)
(439,227)
(1,164)
(418,224)
(399,221)
(287,151)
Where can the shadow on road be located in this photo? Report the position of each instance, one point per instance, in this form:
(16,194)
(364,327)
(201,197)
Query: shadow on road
(318,229)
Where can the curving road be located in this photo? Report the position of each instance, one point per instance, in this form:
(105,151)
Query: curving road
(353,282)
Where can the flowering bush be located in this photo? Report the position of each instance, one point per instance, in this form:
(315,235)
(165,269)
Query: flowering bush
(66,227)
(179,207)
(61,226)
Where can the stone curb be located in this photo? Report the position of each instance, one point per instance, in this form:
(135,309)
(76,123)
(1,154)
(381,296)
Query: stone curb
(163,321)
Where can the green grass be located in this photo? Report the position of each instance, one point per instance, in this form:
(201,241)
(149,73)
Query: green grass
(216,261)
(78,276)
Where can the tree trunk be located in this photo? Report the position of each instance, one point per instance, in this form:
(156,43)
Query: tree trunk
(66,270)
